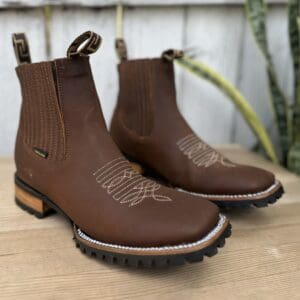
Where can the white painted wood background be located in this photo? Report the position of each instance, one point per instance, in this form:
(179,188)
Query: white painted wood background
(217,28)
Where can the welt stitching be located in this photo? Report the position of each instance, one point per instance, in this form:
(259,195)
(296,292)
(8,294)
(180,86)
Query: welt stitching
(210,235)
(251,195)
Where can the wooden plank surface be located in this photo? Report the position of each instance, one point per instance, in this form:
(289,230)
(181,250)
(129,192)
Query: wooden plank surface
(38,259)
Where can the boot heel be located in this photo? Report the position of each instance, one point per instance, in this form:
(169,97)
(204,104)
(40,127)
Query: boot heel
(137,167)
(31,203)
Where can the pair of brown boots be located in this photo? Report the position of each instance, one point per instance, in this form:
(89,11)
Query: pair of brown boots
(68,162)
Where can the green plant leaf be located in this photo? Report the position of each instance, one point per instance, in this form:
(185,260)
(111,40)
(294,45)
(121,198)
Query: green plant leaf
(47,10)
(294,158)
(294,35)
(201,70)
(293,14)
(256,14)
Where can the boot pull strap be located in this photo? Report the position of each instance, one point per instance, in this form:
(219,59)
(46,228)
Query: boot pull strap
(120,43)
(89,42)
(21,48)
(121,49)
(172,54)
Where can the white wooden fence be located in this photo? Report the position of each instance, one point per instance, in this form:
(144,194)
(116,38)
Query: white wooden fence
(217,28)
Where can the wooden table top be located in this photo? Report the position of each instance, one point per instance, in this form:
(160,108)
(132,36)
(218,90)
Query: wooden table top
(261,260)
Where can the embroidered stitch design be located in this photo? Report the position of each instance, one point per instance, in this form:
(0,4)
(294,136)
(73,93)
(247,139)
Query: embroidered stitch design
(125,185)
(200,153)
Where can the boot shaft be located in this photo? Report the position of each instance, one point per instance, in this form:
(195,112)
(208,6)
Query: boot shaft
(41,125)
(147,91)
(59,105)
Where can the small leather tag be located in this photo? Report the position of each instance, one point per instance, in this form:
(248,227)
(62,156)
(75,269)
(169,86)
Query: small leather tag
(172,54)
(21,48)
(121,49)
(89,42)
(40,152)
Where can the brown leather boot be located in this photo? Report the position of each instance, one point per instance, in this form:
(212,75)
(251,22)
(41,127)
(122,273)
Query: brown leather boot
(67,162)
(149,129)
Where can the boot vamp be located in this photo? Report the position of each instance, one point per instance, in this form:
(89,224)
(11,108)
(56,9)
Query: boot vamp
(165,217)
(222,180)
(190,164)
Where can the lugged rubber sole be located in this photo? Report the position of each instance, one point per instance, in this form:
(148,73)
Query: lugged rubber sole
(156,260)
(41,206)
(264,202)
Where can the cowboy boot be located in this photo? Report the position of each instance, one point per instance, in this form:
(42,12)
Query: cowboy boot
(149,129)
(67,162)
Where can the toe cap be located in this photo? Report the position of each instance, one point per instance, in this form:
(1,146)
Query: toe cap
(238,180)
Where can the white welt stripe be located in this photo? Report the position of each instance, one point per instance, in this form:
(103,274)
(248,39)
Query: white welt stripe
(268,190)
(210,235)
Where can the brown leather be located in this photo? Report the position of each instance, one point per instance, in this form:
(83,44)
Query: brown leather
(62,118)
(148,128)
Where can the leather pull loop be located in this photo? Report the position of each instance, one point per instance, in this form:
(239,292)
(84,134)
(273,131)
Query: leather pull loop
(121,49)
(85,44)
(172,54)
(21,48)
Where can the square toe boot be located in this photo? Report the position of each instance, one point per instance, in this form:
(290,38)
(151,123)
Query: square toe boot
(149,129)
(67,162)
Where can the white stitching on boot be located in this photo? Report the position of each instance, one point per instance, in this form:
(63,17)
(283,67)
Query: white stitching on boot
(200,153)
(125,185)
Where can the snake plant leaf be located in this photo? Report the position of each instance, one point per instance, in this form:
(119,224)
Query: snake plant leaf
(294,35)
(201,70)
(294,158)
(47,10)
(256,14)
(294,30)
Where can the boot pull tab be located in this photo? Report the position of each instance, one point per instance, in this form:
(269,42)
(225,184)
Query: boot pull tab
(89,42)
(121,49)
(21,48)
(172,54)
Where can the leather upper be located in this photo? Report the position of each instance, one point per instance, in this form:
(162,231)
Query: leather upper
(148,128)
(85,174)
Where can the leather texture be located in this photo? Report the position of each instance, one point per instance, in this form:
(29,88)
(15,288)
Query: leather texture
(148,127)
(84,172)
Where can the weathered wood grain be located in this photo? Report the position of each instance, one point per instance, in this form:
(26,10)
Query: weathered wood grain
(32,22)
(219,32)
(103,3)
(218,46)
(38,259)
(139,26)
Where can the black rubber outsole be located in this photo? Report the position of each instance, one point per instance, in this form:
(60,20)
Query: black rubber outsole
(125,259)
(148,261)
(264,202)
